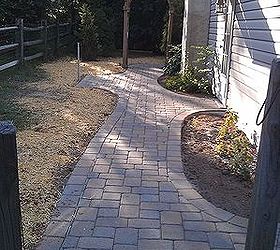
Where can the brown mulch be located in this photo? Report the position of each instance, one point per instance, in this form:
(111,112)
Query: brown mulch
(207,171)
(109,65)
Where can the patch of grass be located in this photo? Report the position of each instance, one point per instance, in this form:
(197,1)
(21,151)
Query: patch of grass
(13,83)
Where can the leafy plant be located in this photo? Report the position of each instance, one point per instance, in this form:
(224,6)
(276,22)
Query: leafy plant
(88,33)
(198,74)
(173,65)
(234,146)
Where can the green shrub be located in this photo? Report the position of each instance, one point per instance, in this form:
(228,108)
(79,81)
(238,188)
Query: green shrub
(95,33)
(234,146)
(190,82)
(88,33)
(173,65)
(198,74)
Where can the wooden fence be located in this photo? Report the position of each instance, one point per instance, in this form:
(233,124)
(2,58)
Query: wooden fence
(20,43)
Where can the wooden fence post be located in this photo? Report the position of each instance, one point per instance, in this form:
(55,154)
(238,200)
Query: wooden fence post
(265,208)
(126,10)
(45,36)
(10,217)
(56,38)
(169,29)
(21,40)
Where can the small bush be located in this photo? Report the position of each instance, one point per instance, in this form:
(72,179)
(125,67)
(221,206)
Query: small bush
(235,147)
(88,33)
(95,33)
(173,65)
(198,75)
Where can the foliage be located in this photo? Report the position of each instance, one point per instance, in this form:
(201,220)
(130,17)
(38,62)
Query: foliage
(88,33)
(198,75)
(147,24)
(173,64)
(177,25)
(236,148)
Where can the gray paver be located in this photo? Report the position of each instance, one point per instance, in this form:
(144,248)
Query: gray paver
(81,228)
(170,217)
(149,214)
(129,211)
(220,240)
(126,236)
(155,245)
(86,214)
(104,232)
(98,243)
(149,233)
(57,229)
(124,247)
(172,232)
(189,245)
(50,243)
(111,222)
(169,197)
(70,242)
(143,223)
(108,212)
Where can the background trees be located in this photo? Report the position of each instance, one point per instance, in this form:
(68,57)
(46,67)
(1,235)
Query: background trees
(147,26)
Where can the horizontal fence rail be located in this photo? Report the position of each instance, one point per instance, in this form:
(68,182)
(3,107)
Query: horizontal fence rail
(19,43)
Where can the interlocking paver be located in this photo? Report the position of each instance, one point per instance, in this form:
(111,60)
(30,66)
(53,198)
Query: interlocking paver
(126,236)
(155,245)
(189,245)
(149,214)
(108,212)
(81,228)
(97,243)
(172,232)
(105,232)
(129,211)
(143,223)
(130,199)
(149,233)
(86,214)
(70,242)
(171,217)
(220,240)
(128,191)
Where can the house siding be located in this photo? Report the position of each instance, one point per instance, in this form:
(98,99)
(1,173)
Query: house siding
(255,43)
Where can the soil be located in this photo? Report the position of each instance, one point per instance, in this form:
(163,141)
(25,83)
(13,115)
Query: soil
(109,65)
(207,171)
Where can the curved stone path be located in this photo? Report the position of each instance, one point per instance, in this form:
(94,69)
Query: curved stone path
(128,190)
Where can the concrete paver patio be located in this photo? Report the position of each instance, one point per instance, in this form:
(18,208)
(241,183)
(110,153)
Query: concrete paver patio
(128,190)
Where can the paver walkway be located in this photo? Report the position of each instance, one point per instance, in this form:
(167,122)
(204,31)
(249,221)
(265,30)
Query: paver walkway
(128,190)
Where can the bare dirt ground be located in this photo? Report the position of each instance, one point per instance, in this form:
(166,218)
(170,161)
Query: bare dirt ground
(55,121)
(207,171)
(109,65)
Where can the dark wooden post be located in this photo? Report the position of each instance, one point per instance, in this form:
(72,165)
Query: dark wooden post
(126,10)
(45,37)
(56,38)
(21,40)
(10,217)
(265,208)
(169,29)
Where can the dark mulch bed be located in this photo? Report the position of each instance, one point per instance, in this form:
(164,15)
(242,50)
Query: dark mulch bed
(207,171)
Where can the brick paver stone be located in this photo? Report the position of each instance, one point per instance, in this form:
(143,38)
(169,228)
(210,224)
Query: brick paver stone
(128,190)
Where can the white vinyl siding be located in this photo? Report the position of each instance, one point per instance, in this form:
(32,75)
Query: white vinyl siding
(255,43)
